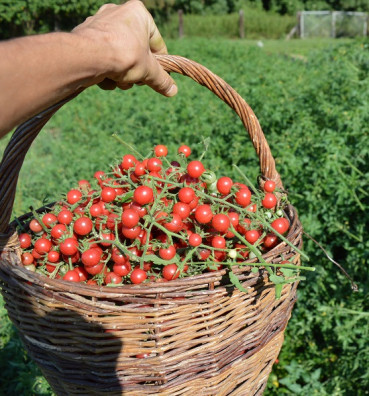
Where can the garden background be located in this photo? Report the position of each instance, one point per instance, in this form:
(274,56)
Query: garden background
(312,100)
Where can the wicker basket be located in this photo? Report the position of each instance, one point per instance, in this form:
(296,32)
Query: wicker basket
(203,336)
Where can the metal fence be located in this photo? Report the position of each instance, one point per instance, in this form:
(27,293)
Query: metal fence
(332,24)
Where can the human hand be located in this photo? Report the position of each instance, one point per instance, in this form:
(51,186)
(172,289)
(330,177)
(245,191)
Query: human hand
(126,39)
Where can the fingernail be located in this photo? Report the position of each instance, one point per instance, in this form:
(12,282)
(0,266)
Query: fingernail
(172,91)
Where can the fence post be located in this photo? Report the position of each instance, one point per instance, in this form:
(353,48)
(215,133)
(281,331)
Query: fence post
(180,23)
(241,24)
(302,32)
(333,26)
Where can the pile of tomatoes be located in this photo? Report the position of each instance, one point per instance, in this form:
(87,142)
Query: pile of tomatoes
(151,220)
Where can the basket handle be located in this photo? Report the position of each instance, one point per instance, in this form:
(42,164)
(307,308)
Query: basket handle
(24,135)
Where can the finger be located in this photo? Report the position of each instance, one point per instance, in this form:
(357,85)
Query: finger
(107,84)
(104,7)
(157,44)
(124,86)
(158,79)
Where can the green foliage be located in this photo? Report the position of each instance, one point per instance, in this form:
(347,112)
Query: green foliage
(312,101)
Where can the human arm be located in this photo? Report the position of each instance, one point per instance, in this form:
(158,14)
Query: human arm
(115,47)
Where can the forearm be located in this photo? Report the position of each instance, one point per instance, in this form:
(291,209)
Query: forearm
(38,71)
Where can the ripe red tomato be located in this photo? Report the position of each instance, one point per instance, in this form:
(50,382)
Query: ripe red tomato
(83,226)
(108,194)
(269,201)
(53,256)
(43,245)
(99,175)
(27,258)
(130,218)
(160,150)
(220,222)
(49,219)
(131,233)
(243,197)
(170,272)
(83,274)
(186,195)
(167,253)
(122,269)
(138,276)
(185,150)
(96,269)
(218,242)
(91,257)
(71,276)
(252,236)
(269,186)
(118,257)
(74,196)
(203,214)
(224,185)
(65,216)
(24,240)
(175,225)
(281,225)
(194,240)
(112,277)
(35,226)
(128,161)
(195,169)
(108,236)
(58,231)
(154,164)
(69,246)
(143,195)
(182,209)
(270,240)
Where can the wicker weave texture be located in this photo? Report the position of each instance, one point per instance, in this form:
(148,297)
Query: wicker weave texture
(190,336)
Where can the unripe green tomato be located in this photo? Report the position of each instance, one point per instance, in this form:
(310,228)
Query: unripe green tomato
(279,213)
(232,253)
(212,187)
(30,267)
(268,215)
(208,177)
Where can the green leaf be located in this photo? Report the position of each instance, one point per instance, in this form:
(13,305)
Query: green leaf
(235,281)
(276,279)
(254,270)
(287,272)
(278,291)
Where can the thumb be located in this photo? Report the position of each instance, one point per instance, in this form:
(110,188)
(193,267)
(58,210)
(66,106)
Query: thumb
(158,79)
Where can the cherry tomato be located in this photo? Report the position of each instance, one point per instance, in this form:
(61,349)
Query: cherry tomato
(186,195)
(95,269)
(35,226)
(160,150)
(128,161)
(83,226)
(218,242)
(118,257)
(91,257)
(27,258)
(131,233)
(270,240)
(281,225)
(185,150)
(143,195)
(182,209)
(175,225)
(154,165)
(224,185)
(71,276)
(269,186)
(203,214)
(220,222)
(108,194)
(130,218)
(69,246)
(49,219)
(58,231)
(122,269)
(53,256)
(74,196)
(170,272)
(25,240)
(167,253)
(252,236)
(194,240)
(83,274)
(195,169)
(269,201)
(138,276)
(65,217)
(243,197)
(43,245)
(112,277)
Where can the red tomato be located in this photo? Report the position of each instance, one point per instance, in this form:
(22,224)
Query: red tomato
(108,194)
(140,169)
(58,231)
(112,277)
(186,195)
(122,269)
(74,196)
(160,150)
(220,222)
(195,169)
(182,209)
(218,242)
(24,240)
(95,269)
(143,195)
(252,236)
(243,197)
(43,245)
(175,225)
(138,276)
(281,225)
(131,233)
(35,226)
(118,257)
(128,161)
(83,274)
(130,218)
(269,186)
(98,175)
(71,276)
(53,256)
(69,246)
(167,253)
(270,240)
(96,210)
(224,185)
(65,216)
(194,240)
(27,258)
(83,226)
(154,165)
(203,214)
(49,219)
(108,236)
(170,272)
(91,257)
(269,201)
(185,150)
